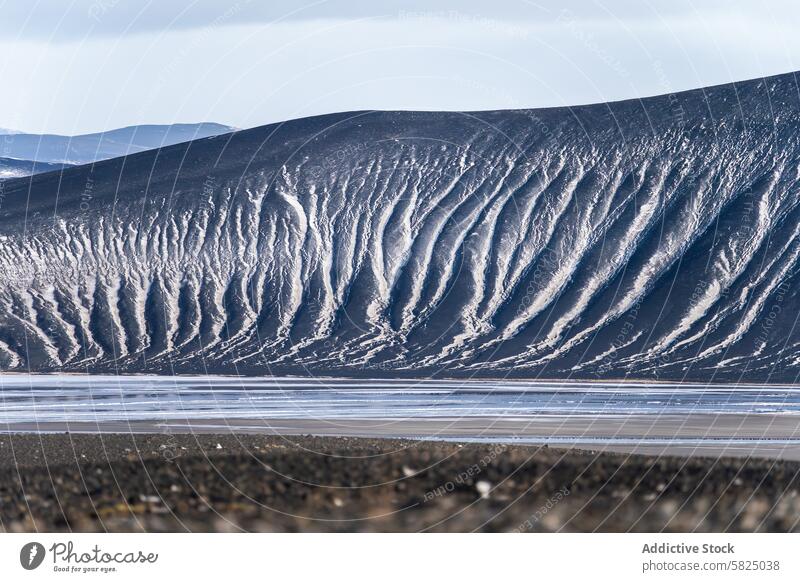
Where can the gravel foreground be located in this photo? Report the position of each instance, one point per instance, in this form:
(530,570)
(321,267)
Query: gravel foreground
(185,482)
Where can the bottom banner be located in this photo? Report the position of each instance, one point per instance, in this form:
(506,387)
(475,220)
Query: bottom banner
(354,557)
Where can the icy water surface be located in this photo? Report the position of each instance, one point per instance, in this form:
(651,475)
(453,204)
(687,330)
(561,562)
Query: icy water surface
(65,399)
(630,417)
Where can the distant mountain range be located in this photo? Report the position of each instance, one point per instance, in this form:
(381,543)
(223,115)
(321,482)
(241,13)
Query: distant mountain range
(11,168)
(84,149)
(654,238)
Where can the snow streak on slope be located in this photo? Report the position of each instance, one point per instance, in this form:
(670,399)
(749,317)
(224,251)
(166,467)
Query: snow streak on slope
(655,238)
(13,168)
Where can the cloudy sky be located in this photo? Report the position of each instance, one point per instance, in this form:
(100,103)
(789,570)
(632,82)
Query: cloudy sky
(77,66)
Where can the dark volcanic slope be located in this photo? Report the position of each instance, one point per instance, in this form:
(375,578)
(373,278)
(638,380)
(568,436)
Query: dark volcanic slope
(655,238)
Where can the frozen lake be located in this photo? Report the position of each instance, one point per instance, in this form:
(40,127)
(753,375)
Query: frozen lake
(25,399)
(624,416)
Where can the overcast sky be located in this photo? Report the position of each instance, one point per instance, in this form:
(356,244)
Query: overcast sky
(77,66)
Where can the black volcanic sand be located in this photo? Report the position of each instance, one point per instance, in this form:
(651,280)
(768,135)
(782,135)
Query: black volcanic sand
(269,483)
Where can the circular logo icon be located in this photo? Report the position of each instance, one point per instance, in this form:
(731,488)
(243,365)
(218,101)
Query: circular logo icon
(31,555)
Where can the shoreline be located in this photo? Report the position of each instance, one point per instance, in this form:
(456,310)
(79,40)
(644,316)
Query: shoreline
(767,436)
(688,383)
(256,482)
